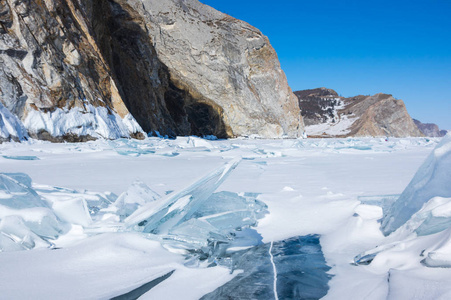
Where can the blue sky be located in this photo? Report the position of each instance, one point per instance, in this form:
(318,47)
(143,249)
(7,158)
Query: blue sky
(355,47)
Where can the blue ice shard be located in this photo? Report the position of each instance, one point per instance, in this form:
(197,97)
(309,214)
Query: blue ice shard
(178,207)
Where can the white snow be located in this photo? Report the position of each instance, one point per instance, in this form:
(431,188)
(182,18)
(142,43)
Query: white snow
(341,126)
(310,186)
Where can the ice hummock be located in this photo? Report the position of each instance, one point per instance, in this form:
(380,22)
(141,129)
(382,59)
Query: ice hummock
(433,179)
(26,220)
(177,207)
(137,195)
(197,221)
(223,224)
(421,216)
(194,220)
(34,216)
(16,235)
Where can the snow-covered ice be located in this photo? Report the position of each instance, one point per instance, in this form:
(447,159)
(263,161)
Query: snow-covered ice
(191,218)
(432,179)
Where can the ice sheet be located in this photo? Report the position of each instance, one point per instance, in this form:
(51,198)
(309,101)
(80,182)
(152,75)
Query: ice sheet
(309,186)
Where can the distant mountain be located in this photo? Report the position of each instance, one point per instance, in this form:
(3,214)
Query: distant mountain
(326,114)
(430,129)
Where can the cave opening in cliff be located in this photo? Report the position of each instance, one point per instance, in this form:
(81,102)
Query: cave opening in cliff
(205,120)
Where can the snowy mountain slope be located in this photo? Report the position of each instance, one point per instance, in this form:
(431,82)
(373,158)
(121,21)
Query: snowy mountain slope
(328,115)
(315,196)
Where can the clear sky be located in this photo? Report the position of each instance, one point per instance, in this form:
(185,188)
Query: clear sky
(364,47)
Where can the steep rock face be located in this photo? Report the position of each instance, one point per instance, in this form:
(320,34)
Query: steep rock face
(143,80)
(53,77)
(79,69)
(378,115)
(429,129)
(226,65)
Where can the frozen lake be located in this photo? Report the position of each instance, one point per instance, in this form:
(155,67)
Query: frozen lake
(289,189)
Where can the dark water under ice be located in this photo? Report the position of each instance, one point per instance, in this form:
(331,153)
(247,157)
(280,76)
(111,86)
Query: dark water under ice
(300,266)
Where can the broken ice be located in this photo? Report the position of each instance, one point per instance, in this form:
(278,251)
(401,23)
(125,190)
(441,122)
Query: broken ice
(137,195)
(432,179)
(196,220)
(26,220)
(179,206)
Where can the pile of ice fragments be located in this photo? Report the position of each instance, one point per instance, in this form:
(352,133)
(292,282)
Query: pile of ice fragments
(209,228)
(194,220)
(422,210)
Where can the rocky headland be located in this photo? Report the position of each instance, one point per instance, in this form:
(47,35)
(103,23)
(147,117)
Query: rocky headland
(75,70)
(430,129)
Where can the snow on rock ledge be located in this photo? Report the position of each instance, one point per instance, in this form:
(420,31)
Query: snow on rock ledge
(94,122)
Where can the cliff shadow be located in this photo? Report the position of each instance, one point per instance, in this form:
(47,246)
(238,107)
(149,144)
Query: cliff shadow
(143,81)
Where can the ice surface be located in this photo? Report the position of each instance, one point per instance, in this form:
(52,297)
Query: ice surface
(95,201)
(309,186)
(290,269)
(15,235)
(24,215)
(21,157)
(131,147)
(227,210)
(74,211)
(431,180)
(382,201)
(223,224)
(137,195)
(17,193)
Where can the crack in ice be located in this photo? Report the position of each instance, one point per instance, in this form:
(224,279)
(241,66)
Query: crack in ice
(274,271)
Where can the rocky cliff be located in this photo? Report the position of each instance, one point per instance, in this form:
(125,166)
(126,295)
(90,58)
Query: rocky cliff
(430,129)
(80,69)
(329,115)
